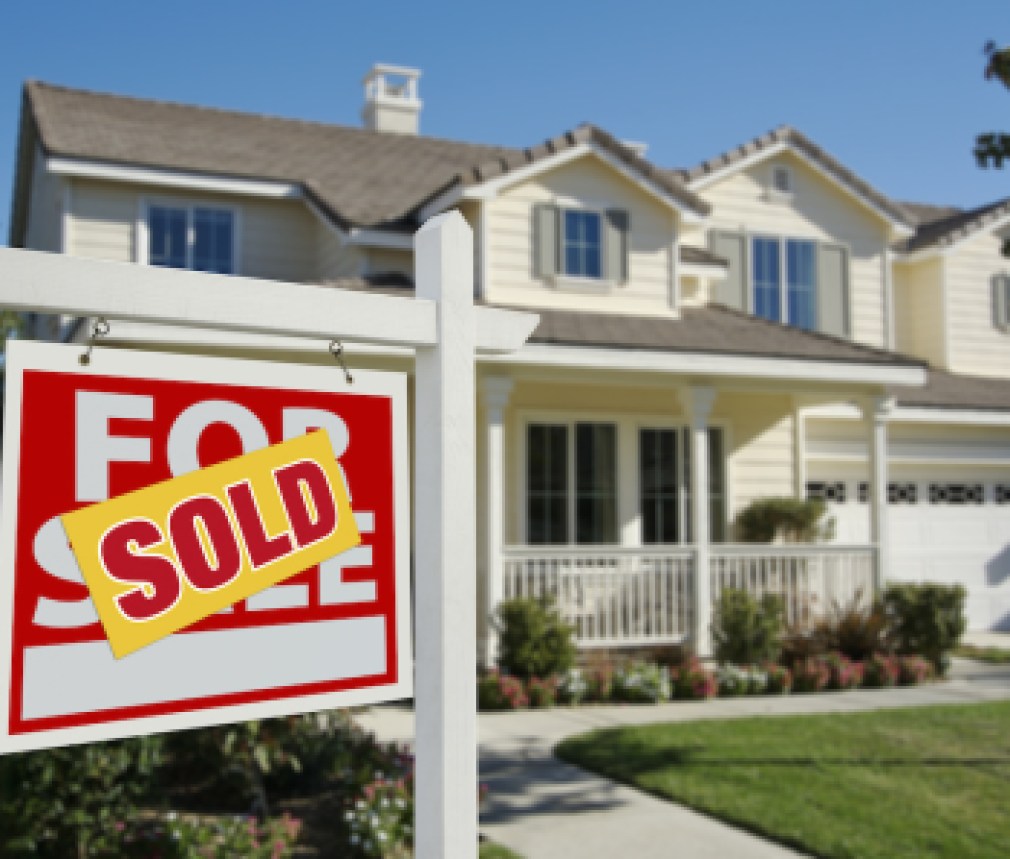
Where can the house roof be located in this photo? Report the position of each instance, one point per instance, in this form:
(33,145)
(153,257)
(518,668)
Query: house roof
(952,225)
(945,390)
(789,136)
(712,329)
(356,176)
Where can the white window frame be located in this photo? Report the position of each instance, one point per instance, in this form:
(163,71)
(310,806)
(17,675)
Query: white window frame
(629,493)
(783,245)
(580,282)
(775,194)
(143,236)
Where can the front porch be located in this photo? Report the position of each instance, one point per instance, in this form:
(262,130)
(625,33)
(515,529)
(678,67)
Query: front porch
(595,505)
(628,597)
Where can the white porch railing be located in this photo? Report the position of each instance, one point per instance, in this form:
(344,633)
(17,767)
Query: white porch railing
(610,596)
(810,579)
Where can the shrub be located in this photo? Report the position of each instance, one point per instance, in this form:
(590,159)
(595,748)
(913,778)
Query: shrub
(843,672)
(599,676)
(737,680)
(641,682)
(791,519)
(497,691)
(913,670)
(811,675)
(857,629)
(881,671)
(533,640)
(542,692)
(691,681)
(778,679)
(928,619)
(746,631)
(573,687)
(77,801)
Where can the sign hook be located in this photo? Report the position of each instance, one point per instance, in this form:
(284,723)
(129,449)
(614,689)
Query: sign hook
(337,351)
(99,328)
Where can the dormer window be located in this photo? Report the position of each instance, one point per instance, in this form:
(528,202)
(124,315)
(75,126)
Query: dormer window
(200,238)
(583,252)
(580,244)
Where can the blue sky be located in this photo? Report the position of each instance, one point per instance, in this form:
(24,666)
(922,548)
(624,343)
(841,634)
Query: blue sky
(894,89)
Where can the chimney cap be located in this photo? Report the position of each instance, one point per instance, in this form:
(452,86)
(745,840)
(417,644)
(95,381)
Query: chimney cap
(389,69)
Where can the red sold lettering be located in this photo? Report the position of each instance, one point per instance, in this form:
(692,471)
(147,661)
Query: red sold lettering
(302,482)
(121,550)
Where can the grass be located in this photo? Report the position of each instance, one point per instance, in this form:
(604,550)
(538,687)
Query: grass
(926,782)
(490,850)
(994,655)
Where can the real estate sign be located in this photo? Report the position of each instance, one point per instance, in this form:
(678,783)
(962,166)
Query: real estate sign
(334,634)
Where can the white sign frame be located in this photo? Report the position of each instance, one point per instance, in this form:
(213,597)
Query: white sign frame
(23,355)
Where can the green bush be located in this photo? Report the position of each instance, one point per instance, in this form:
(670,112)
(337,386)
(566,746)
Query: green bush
(75,801)
(746,631)
(533,639)
(855,629)
(642,683)
(791,519)
(928,619)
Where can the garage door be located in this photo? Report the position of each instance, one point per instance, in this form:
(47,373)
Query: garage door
(942,529)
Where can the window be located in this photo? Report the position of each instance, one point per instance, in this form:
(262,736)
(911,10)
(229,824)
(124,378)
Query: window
(566,483)
(665,485)
(797,305)
(782,180)
(582,256)
(193,237)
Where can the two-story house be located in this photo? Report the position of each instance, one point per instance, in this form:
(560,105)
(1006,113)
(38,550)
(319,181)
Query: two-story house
(765,324)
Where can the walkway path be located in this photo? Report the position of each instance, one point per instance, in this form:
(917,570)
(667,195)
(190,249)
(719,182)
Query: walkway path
(545,809)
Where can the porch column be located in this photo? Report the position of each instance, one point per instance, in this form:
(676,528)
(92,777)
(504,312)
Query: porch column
(876,411)
(698,402)
(496,391)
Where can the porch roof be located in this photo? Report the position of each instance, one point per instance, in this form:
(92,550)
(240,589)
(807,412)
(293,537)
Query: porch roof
(945,390)
(714,329)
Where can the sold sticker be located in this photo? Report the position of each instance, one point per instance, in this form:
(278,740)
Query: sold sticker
(161,558)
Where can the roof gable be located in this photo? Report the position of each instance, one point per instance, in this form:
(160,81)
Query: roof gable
(785,138)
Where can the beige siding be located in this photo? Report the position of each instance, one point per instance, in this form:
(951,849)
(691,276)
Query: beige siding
(336,258)
(586,182)
(918,310)
(976,345)
(45,208)
(818,210)
(277,238)
(761,444)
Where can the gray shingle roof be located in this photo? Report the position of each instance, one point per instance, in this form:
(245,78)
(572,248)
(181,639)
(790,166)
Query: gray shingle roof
(359,177)
(945,390)
(947,230)
(788,135)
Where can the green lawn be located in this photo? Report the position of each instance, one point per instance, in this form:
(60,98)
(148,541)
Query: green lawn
(929,782)
(490,850)
(995,655)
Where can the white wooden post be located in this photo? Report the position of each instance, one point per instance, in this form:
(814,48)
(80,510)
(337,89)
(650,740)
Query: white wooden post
(446,549)
(876,411)
(698,402)
(496,396)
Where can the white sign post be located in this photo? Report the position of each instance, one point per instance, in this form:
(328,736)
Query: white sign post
(447,330)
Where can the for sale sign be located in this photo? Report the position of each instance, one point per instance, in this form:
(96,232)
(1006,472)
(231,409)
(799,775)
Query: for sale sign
(265,452)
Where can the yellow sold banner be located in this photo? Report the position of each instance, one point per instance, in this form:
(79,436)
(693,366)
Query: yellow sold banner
(161,558)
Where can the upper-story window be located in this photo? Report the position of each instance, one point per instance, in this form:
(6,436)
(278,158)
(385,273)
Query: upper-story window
(583,249)
(201,238)
(796,304)
(580,243)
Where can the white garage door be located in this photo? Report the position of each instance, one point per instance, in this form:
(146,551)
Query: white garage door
(942,528)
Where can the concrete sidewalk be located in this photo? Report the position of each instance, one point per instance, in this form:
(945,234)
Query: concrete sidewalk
(544,809)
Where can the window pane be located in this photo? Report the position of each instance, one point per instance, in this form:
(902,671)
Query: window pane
(657,454)
(582,246)
(212,240)
(596,483)
(166,236)
(767,279)
(546,483)
(801,281)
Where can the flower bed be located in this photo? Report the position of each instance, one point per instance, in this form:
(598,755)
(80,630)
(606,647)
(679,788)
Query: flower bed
(643,682)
